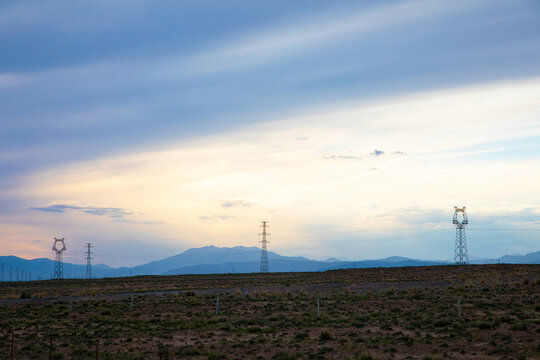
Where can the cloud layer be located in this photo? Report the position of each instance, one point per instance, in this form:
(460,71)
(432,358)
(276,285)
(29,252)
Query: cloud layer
(287,182)
(328,120)
(94,210)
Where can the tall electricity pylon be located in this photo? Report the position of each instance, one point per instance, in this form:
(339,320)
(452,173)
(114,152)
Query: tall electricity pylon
(461,257)
(89,260)
(264,253)
(59,263)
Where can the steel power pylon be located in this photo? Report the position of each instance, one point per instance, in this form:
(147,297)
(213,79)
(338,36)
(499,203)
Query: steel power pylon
(59,263)
(461,257)
(264,252)
(88,261)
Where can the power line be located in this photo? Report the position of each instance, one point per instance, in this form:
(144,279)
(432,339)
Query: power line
(504,229)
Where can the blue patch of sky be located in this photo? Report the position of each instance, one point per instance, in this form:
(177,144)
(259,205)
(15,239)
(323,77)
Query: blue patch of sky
(124,45)
(493,151)
(71,33)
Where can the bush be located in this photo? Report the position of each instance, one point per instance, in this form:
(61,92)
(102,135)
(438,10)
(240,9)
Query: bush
(483,325)
(519,327)
(214,356)
(441,323)
(283,355)
(365,357)
(325,336)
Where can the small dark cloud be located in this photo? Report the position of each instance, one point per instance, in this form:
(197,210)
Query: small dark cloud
(233,203)
(342,157)
(119,215)
(373,169)
(111,212)
(52,208)
(375,153)
(301,138)
(214,217)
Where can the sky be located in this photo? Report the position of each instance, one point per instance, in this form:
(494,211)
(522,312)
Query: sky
(353,128)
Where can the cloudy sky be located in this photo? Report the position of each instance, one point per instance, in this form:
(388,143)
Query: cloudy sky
(354,128)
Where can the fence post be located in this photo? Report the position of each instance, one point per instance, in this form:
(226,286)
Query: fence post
(70,303)
(217,305)
(12,345)
(318,307)
(97,350)
(459,307)
(131,301)
(50,349)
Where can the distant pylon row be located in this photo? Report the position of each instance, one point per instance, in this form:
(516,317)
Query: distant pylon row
(17,275)
(461,256)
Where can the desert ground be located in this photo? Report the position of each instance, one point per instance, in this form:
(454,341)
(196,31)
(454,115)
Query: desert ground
(381,313)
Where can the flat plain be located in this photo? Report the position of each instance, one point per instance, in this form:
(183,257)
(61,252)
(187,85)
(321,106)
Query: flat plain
(379,313)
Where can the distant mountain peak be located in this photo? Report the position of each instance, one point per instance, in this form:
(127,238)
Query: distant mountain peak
(395,259)
(218,248)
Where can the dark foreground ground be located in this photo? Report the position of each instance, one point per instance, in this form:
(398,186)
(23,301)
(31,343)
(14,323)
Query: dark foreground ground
(391,313)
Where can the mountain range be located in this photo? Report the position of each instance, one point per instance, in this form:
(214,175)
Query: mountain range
(219,260)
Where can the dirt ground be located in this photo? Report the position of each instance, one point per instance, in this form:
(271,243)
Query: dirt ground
(390,313)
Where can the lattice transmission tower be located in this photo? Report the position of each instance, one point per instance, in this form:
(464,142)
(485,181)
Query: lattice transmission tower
(58,262)
(264,252)
(461,257)
(88,261)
